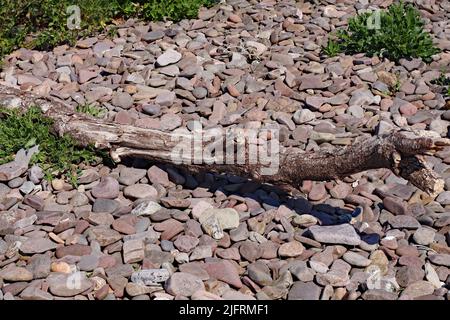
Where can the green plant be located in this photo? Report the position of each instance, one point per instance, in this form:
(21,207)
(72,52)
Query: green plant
(444,82)
(332,48)
(172,9)
(91,110)
(56,156)
(42,24)
(397,85)
(395,33)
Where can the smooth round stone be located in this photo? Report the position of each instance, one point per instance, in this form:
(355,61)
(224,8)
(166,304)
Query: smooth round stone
(424,236)
(356,259)
(200,92)
(151,109)
(291,249)
(139,191)
(108,188)
(122,100)
(186,243)
(184,284)
(168,57)
(167,245)
(105,205)
(16,182)
(250,251)
(129,176)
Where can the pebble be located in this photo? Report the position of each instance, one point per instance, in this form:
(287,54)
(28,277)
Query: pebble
(356,259)
(146,208)
(424,236)
(291,249)
(304,291)
(140,191)
(338,234)
(32,246)
(108,188)
(184,284)
(150,277)
(14,274)
(68,285)
(168,57)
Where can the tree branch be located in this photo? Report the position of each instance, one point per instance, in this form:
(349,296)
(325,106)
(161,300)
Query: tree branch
(404,156)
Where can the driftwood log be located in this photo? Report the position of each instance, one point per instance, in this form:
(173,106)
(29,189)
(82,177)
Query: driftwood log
(402,155)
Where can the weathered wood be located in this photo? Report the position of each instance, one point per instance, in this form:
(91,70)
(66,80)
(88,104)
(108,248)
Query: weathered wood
(404,156)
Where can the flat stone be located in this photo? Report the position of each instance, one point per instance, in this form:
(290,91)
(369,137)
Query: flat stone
(153,35)
(444,198)
(170,122)
(73,250)
(228,218)
(395,205)
(250,251)
(40,245)
(133,251)
(340,191)
(440,259)
(85,75)
(356,259)
(14,274)
(291,249)
(379,294)
(300,270)
(165,99)
(105,236)
(139,191)
(224,271)
(108,188)
(304,291)
(105,205)
(100,218)
(33,293)
(407,275)
(68,285)
(158,176)
(150,277)
(303,116)
(168,57)
(122,100)
(88,176)
(146,208)
(338,234)
(201,252)
(39,265)
(432,276)
(16,168)
(186,243)
(418,289)
(125,224)
(260,274)
(184,284)
(407,222)
(169,228)
(424,236)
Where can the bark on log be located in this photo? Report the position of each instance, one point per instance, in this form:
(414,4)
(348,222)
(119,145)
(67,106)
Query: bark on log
(404,156)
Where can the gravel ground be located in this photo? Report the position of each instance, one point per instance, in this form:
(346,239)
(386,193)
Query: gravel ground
(143,232)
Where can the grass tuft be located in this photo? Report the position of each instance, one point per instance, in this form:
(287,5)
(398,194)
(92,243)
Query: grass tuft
(395,33)
(57,156)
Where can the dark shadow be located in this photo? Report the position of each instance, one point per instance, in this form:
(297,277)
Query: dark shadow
(268,196)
